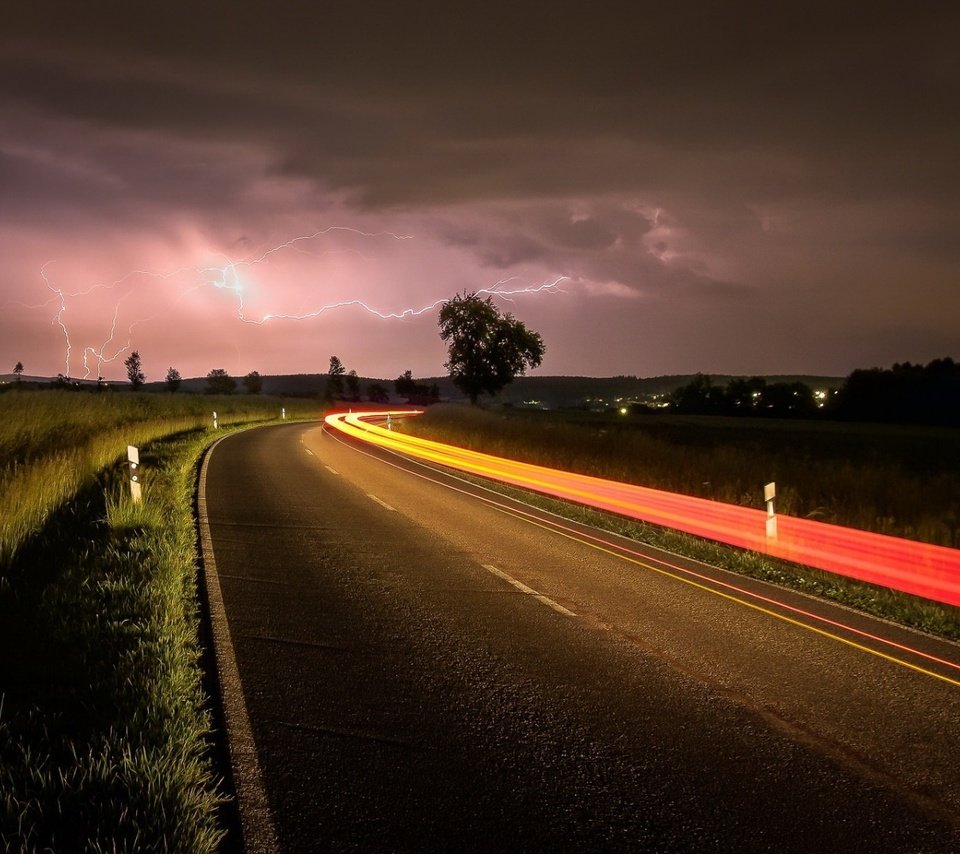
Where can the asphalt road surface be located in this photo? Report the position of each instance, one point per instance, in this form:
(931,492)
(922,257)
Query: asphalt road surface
(427,666)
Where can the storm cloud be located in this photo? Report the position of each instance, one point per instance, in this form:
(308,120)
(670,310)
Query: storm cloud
(737,187)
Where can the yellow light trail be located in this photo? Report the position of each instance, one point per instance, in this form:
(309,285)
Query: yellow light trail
(921,569)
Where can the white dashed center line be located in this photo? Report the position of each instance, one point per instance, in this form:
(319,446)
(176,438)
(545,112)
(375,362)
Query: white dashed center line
(382,503)
(309,452)
(544,600)
(331,470)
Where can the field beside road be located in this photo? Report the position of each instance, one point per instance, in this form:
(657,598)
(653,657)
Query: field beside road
(104,725)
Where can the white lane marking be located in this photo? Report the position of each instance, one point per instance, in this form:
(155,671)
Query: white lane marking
(331,470)
(545,600)
(382,503)
(309,452)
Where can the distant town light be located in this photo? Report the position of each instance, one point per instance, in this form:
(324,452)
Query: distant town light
(624,410)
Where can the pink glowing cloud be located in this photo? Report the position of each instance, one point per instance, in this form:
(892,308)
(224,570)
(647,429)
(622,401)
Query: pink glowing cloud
(768,192)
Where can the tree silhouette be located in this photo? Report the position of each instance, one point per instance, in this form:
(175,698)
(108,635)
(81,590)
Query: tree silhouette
(220,382)
(18,370)
(699,396)
(925,394)
(486,349)
(745,395)
(335,379)
(173,379)
(253,382)
(405,384)
(134,370)
(416,393)
(753,396)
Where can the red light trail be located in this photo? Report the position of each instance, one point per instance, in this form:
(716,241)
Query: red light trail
(920,569)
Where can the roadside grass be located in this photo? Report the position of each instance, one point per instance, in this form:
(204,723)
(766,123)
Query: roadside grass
(105,730)
(53,442)
(484,431)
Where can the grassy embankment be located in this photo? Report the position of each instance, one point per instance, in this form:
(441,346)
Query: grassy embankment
(104,729)
(903,481)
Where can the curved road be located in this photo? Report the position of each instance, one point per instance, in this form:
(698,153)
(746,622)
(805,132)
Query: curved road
(428,666)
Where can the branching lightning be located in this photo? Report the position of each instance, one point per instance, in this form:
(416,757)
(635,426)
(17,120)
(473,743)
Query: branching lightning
(90,351)
(403,313)
(226,277)
(58,318)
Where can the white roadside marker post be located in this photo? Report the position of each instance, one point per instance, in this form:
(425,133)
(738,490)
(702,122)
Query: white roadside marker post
(215,427)
(769,493)
(283,413)
(133,460)
(389,425)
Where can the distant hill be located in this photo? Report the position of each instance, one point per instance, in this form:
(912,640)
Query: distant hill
(550,392)
(534,390)
(31,381)
(12,378)
(290,385)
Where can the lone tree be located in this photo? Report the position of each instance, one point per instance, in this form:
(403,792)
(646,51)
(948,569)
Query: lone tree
(405,384)
(220,382)
(173,379)
(18,370)
(487,349)
(253,382)
(134,370)
(335,379)
(416,393)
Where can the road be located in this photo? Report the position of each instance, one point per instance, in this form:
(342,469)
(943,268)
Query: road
(428,666)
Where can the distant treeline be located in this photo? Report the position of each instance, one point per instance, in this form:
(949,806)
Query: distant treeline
(905,393)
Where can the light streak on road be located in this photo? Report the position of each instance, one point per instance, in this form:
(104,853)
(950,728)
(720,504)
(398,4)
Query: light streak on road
(921,569)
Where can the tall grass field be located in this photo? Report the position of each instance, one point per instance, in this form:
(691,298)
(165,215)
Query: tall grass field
(52,442)
(105,728)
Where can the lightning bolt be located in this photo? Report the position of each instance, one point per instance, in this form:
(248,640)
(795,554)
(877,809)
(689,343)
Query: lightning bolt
(293,244)
(403,313)
(58,318)
(90,351)
(227,278)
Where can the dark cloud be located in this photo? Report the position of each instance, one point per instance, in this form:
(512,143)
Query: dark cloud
(421,106)
(788,154)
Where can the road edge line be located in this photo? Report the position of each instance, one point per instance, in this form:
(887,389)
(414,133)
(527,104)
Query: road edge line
(256,821)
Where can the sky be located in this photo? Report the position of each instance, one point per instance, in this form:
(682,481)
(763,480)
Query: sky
(736,188)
